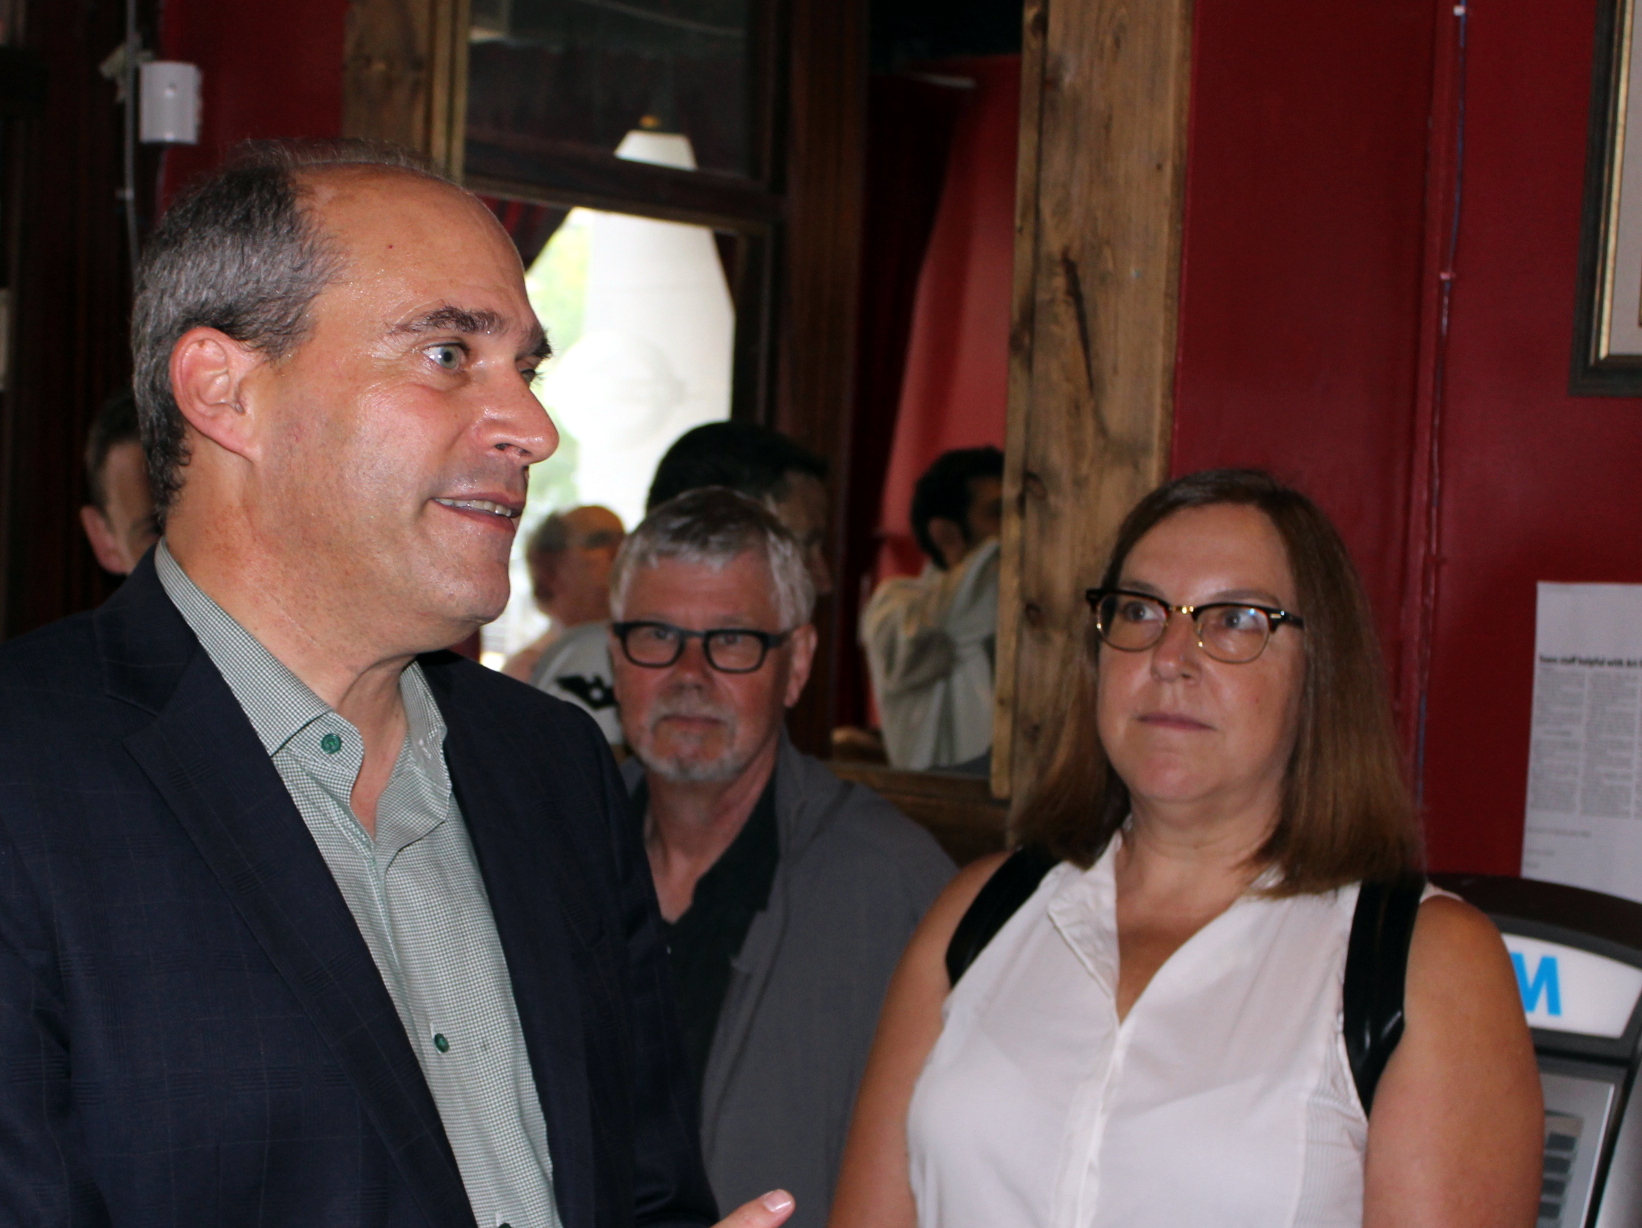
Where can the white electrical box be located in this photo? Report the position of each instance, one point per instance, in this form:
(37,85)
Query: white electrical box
(169,113)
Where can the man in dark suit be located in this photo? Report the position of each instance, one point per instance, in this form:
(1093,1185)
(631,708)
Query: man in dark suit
(301,921)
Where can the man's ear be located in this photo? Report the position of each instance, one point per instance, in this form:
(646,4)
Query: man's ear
(208,373)
(110,557)
(803,657)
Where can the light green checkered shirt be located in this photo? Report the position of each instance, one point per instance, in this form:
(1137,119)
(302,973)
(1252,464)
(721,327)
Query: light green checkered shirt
(420,903)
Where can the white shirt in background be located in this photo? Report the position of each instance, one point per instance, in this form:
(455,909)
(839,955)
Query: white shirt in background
(930,643)
(576,668)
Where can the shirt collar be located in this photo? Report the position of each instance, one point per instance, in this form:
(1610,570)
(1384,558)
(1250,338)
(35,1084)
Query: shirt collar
(278,704)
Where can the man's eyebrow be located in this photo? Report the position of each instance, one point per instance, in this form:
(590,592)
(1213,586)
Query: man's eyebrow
(480,322)
(454,320)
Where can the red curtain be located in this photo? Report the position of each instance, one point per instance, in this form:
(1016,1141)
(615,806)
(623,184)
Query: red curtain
(955,389)
(937,244)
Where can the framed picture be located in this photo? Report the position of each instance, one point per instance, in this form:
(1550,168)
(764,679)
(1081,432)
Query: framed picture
(1607,357)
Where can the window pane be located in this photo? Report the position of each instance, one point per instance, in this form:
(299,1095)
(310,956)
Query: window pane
(587,72)
(640,319)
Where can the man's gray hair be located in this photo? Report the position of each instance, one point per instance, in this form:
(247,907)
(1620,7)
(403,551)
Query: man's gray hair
(239,254)
(714,525)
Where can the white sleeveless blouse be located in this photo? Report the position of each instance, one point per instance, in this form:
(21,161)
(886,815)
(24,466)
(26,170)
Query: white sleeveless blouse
(1224,1098)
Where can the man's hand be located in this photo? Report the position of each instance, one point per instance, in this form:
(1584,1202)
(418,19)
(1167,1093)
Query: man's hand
(766,1212)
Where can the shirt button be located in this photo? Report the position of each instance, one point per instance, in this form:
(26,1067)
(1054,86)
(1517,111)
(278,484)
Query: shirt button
(330,744)
(440,1043)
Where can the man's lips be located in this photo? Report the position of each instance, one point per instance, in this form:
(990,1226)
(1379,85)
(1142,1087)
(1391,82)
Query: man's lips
(1172,720)
(687,719)
(499,509)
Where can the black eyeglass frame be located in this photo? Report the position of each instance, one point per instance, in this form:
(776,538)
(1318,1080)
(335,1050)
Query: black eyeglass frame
(766,640)
(1274,617)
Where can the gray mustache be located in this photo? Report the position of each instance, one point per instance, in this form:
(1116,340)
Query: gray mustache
(693,708)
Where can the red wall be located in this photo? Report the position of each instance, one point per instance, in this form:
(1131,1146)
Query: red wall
(1536,484)
(268,70)
(1320,174)
(1300,285)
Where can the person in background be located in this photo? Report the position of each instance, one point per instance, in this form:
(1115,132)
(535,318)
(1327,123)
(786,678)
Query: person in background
(761,464)
(569,557)
(119,520)
(570,571)
(304,920)
(787,893)
(930,640)
(752,460)
(1155,1034)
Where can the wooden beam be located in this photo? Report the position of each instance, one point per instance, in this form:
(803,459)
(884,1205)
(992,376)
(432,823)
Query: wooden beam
(1105,85)
(404,76)
(819,281)
(530,167)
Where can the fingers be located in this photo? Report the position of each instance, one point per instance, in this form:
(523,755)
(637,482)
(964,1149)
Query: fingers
(765,1212)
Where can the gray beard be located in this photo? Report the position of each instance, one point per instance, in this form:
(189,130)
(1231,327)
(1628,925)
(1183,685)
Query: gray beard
(683,769)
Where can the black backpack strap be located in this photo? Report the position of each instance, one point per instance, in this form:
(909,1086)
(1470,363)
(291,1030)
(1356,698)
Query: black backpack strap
(1376,967)
(1010,886)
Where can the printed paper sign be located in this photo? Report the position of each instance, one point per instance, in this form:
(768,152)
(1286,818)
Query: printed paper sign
(1584,820)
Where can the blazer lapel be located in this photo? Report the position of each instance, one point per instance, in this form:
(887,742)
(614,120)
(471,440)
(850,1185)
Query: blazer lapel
(516,812)
(755,962)
(751,969)
(203,757)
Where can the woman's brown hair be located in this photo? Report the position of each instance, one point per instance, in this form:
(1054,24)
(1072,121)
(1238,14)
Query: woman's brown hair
(1346,812)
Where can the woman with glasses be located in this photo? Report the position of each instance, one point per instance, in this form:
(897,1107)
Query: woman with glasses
(1142,1019)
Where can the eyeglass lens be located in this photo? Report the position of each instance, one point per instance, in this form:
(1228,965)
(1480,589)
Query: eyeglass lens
(1234,634)
(728,650)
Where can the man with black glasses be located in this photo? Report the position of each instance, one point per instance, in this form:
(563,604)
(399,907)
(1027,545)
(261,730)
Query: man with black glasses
(787,894)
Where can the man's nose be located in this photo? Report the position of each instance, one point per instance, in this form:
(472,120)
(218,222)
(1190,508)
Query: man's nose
(692,662)
(516,422)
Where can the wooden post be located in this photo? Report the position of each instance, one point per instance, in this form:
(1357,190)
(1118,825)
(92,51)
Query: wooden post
(826,160)
(1097,273)
(405,76)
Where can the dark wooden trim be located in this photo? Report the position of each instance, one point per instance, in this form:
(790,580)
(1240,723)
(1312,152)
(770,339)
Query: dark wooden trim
(818,283)
(1589,375)
(959,811)
(563,172)
(1034,31)
(752,289)
(767,93)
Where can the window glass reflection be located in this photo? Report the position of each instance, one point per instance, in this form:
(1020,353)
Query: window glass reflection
(546,73)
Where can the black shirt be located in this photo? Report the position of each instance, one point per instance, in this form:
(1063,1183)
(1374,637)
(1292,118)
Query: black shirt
(708,936)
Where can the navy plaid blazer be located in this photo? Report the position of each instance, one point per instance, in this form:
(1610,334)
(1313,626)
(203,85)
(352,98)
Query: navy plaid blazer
(192,1030)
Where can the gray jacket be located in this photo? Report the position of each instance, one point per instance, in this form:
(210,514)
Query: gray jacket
(854,879)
